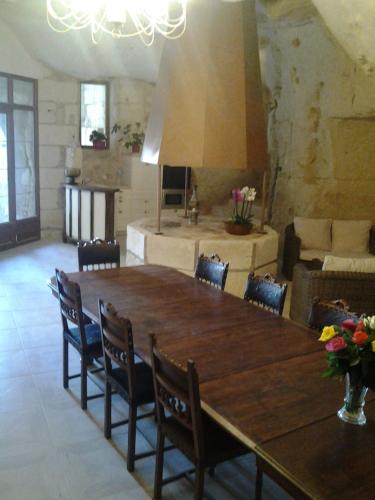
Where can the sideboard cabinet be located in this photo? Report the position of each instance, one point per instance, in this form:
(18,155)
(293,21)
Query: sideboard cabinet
(89,212)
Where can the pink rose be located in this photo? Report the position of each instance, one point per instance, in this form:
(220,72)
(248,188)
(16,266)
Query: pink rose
(349,324)
(336,344)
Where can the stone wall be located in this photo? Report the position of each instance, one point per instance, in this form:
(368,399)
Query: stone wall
(320,121)
(58,128)
(130,102)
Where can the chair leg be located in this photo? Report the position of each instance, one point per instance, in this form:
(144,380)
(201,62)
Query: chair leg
(83,383)
(199,482)
(108,410)
(132,430)
(258,484)
(65,363)
(159,462)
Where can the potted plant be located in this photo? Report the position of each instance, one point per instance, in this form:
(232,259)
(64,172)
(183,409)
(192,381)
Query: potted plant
(132,135)
(243,200)
(98,139)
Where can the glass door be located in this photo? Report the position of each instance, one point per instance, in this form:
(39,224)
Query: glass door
(19,201)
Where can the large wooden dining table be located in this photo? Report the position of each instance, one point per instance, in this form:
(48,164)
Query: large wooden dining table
(260,374)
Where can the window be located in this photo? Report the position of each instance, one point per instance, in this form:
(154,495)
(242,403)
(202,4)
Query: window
(94,111)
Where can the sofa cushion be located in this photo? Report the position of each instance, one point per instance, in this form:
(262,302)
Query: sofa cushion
(350,236)
(314,233)
(359,265)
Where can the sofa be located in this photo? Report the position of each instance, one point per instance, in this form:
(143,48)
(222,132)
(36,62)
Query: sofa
(309,281)
(308,239)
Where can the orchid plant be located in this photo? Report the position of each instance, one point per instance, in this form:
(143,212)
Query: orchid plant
(351,349)
(243,200)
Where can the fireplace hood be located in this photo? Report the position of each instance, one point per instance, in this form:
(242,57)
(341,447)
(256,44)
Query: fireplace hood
(207,109)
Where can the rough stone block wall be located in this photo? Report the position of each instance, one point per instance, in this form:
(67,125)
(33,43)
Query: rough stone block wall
(320,121)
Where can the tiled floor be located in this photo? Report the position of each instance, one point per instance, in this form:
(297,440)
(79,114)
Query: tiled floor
(49,447)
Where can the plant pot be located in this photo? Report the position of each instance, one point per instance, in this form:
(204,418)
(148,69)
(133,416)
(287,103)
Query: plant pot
(238,229)
(136,148)
(99,145)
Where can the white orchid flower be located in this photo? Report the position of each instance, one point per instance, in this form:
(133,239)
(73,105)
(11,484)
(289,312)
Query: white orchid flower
(251,194)
(244,191)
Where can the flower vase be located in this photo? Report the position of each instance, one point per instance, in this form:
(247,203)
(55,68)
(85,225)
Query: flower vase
(354,401)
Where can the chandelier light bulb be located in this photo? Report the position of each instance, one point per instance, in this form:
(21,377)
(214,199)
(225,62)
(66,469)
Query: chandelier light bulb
(119,18)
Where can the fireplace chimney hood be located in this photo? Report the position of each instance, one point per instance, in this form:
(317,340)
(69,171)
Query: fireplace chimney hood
(207,109)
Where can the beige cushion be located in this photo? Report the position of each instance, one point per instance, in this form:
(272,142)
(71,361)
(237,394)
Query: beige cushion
(350,235)
(363,265)
(314,233)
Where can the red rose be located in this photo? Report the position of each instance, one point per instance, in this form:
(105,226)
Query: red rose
(360,338)
(360,325)
(336,344)
(349,324)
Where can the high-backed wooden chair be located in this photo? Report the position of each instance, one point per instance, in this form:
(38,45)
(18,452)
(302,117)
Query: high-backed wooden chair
(264,291)
(132,381)
(83,336)
(325,313)
(181,420)
(212,270)
(98,254)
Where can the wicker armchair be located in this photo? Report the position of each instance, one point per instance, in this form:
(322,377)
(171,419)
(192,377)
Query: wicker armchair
(358,289)
(292,249)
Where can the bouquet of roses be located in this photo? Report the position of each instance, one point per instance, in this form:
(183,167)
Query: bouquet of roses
(351,349)
(243,200)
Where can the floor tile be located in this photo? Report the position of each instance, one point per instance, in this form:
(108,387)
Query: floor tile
(42,335)
(10,340)
(13,364)
(18,393)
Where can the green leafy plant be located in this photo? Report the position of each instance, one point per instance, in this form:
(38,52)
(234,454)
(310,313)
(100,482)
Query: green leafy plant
(97,136)
(131,135)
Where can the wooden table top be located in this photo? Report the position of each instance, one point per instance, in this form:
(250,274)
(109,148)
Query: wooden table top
(259,373)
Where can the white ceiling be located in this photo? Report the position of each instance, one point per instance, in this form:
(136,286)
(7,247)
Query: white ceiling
(74,52)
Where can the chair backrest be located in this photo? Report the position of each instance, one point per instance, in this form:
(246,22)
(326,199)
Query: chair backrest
(98,254)
(177,393)
(70,304)
(326,313)
(117,340)
(212,270)
(265,291)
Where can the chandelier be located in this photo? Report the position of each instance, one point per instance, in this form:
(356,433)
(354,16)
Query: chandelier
(119,18)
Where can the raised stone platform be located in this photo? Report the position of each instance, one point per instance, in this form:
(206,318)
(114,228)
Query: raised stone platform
(181,243)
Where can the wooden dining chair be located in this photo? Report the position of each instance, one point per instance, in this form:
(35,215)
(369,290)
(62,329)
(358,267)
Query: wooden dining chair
(212,270)
(325,313)
(82,335)
(98,254)
(266,292)
(132,381)
(181,420)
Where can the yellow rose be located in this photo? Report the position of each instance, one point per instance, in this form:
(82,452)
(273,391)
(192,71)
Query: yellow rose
(327,334)
(373,346)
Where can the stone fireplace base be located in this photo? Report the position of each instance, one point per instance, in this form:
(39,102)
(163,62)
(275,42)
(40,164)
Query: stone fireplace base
(181,243)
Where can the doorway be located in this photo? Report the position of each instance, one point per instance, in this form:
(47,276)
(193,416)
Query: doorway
(19,170)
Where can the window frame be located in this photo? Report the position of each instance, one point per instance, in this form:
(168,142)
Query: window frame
(107,132)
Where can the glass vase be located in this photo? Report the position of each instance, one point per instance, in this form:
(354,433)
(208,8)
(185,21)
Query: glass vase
(354,401)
